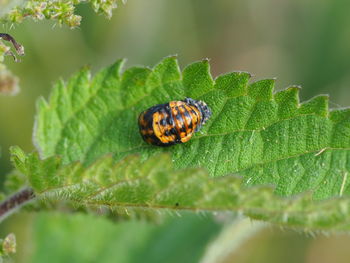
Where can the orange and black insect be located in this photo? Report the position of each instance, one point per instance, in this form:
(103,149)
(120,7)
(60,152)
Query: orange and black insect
(174,122)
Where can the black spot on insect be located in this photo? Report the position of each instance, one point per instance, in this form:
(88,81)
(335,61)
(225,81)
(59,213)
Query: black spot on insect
(179,117)
(190,126)
(163,122)
(173,131)
(167,133)
(187,114)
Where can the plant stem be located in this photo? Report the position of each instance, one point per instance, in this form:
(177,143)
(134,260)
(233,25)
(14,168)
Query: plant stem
(10,204)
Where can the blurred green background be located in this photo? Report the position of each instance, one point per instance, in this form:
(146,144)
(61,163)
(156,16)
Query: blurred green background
(299,42)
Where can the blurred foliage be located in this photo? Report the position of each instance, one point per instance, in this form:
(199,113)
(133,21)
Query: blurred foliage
(86,238)
(155,186)
(62,11)
(62,238)
(300,42)
(8,245)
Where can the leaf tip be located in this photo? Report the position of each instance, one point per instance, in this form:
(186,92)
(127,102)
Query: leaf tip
(206,60)
(117,66)
(173,56)
(262,89)
(18,158)
(298,87)
(41,104)
(16,150)
(317,105)
(168,69)
(197,78)
(338,115)
(86,67)
(234,84)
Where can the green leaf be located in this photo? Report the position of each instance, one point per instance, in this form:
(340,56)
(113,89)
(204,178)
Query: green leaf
(265,137)
(155,184)
(70,238)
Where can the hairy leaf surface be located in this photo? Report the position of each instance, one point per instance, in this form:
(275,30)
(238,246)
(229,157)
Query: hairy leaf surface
(265,137)
(155,184)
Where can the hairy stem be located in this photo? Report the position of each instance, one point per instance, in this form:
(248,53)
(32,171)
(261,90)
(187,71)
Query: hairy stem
(15,201)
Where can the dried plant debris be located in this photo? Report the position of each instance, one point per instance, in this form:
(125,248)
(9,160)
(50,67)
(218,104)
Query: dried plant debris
(8,81)
(6,50)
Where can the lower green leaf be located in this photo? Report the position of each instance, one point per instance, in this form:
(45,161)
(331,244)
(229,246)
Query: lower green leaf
(71,238)
(154,184)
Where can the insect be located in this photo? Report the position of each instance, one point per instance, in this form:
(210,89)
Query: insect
(173,122)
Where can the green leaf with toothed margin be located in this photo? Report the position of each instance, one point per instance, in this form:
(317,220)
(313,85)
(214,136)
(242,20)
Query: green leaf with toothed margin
(154,184)
(266,138)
